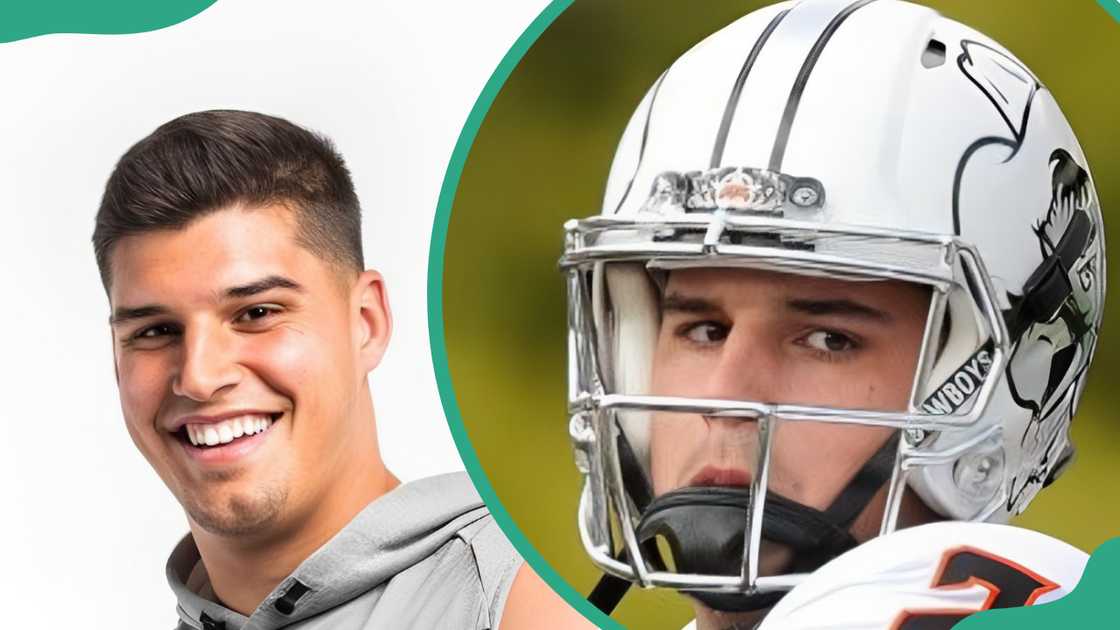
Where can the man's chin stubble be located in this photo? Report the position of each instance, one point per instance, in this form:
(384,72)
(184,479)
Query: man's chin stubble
(239,514)
(731,621)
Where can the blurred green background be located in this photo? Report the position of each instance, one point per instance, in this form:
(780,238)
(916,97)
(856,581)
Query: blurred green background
(542,157)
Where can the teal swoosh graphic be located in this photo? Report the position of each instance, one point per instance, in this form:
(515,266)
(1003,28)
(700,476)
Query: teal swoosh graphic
(1090,605)
(20,19)
(1112,7)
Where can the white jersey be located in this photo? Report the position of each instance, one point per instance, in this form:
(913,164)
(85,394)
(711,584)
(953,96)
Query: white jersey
(930,576)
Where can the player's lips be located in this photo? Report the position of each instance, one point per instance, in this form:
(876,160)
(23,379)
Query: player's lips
(225,437)
(227,430)
(716,476)
(217,418)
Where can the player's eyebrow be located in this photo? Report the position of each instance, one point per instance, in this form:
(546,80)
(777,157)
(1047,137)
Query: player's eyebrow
(677,303)
(262,285)
(844,307)
(123,314)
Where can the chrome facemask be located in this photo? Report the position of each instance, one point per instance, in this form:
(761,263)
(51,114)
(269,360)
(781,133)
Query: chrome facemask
(756,219)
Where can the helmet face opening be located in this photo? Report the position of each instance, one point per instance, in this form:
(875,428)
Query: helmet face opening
(721,458)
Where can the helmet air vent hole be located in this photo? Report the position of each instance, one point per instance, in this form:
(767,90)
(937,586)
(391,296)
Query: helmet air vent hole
(934,54)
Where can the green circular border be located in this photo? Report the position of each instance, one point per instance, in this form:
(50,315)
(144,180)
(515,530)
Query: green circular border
(1112,7)
(435,318)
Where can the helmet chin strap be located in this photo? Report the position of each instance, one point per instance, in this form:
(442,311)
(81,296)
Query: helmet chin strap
(702,529)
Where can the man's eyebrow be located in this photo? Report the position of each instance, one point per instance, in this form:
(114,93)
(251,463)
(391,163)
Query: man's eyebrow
(842,307)
(260,286)
(677,303)
(123,314)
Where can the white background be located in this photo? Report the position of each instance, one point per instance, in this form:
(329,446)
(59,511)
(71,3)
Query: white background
(86,525)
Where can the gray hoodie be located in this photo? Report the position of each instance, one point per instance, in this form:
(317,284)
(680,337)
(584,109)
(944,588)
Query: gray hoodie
(426,555)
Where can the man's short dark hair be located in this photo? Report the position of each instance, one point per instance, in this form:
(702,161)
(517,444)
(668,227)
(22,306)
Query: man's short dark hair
(206,161)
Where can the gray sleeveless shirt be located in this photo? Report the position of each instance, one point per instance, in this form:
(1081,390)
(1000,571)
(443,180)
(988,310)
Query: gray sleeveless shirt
(426,555)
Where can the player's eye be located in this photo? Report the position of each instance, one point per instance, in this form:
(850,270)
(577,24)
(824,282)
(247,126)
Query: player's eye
(257,313)
(152,336)
(706,332)
(828,341)
(156,331)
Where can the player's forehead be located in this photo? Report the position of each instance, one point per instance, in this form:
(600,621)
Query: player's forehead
(735,287)
(200,261)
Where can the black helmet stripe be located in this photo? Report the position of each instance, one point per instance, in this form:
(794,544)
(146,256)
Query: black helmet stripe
(645,137)
(733,100)
(782,139)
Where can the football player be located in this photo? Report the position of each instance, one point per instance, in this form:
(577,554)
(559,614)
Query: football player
(847,279)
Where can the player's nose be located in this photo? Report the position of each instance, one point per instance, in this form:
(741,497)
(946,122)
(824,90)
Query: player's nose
(747,369)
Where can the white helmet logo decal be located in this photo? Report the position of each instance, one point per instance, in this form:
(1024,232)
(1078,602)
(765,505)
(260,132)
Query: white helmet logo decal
(1007,84)
(1054,317)
(1057,312)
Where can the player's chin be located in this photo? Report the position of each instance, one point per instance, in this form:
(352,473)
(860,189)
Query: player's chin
(709,619)
(235,511)
(774,558)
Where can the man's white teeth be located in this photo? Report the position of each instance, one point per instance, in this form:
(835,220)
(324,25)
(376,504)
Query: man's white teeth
(227,431)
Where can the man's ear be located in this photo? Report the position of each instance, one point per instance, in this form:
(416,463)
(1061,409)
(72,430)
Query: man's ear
(374,321)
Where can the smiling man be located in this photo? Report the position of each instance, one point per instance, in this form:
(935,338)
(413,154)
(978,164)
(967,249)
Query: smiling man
(847,279)
(244,325)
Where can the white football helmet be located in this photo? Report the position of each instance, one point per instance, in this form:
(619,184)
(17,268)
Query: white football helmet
(863,140)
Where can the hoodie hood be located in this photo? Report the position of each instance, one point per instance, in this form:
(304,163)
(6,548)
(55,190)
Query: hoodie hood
(393,533)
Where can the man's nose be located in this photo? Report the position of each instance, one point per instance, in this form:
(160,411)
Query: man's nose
(746,369)
(207,365)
